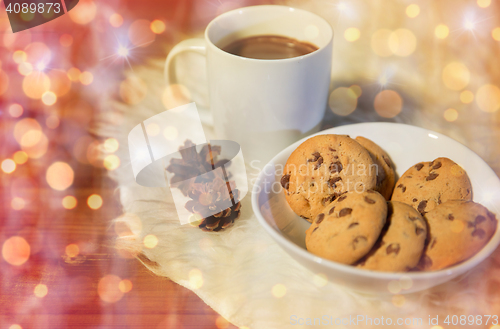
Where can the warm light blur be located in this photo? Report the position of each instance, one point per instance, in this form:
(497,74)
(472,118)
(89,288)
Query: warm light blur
(111,145)
(157,26)
(8,166)
(495,33)
(49,98)
(36,84)
(150,241)
(170,133)
(125,285)
(20,157)
(441,31)
(16,251)
(52,121)
(25,68)
(108,288)
(380,42)
(140,34)
(66,40)
(450,115)
(72,250)
(84,12)
(69,202)
(133,90)
(457,226)
(278,290)
(60,83)
(352,34)
(111,162)
(343,101)
(153,129)
(94,201)
(60,176)
(15,110)
(402,42)
(175,95)
(17,203)
(116,20)
(483,3)
(488,98)
(26,126)
(86,78)
(74,74)
(412,10)
(221,323)
(195,278)
(456,76)
(320,280)
(15,326)
(4,82)
(466,96)
(19,56)
(41,290)
(398,300)
(388,103)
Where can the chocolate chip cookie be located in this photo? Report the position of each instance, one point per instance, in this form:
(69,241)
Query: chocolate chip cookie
(348,227)
(323,167)
(428,184)
(401,243)
(457,230)
(386,177)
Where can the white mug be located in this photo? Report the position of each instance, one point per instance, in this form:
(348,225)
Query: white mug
(264,105)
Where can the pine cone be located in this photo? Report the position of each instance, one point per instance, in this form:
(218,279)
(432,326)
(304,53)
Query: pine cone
(193,164)
(210,197)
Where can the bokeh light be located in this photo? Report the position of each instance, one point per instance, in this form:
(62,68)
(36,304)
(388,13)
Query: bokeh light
(25,68)
(49,98)
(157,26)
(74,74)
(60,83)
(133,90)
(15,326)
(466,96)
(69,202)
(84,13)
(25,126)
(20,157)
(352,34)
(380,42)
(405,282)
(394,286)
(488,98)
(111,145)
(72,250)
(412,10)
(170,133)
(441,31)
(60,176)
(52,121)
(66,40)
(8,166)
(388,103)
(17,203)
(19,56)
(41,290)
(195,278)
(150,241)
(38,54)
(450,115)
(456,76)
(153,129)
(457,226)
(116,20)
(16,251)
(125,285)
(483,3)
(343,101)
(221,323)
(175,95)
(86,78)
(495,33)
(94,201)
(278,290)
(398,300)
(4,82)
(15,110)
(402,42)
(111,162)
(320,280)
(140,34)
(108,288)
(36,84)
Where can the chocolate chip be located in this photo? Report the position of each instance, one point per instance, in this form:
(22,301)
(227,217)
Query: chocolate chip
(421,206)
(471,224)
(345,212)
(329,199)
(419,230)
(393,248)
(332,181)
(285,180)
(433,243)
(432,176)
(304,217)
(352,225)
(437,165)
(370,191)
(357,240)
(425,262)
(342,198)
(331,211)
(315,229)
(415,200)
(333,150)
(318,164)
(320,218)
(336,157)
(368,200)
(316,156)
(336,167)
(387,161)
(402,187)
(451,217)
(413,218)
(480,219)
(419,166)
(479,233)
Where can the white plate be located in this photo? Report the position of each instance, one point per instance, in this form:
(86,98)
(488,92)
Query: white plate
(406,145)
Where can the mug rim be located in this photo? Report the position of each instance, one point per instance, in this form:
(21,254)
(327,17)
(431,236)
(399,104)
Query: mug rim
(258,7)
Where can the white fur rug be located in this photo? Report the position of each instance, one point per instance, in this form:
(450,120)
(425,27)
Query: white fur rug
(235,271)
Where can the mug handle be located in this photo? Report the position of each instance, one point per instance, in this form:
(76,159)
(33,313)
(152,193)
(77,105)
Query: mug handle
(196,45)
